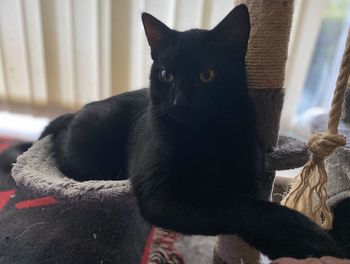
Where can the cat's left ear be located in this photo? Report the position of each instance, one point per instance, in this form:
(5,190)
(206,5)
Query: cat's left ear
(234,29)
(156,32)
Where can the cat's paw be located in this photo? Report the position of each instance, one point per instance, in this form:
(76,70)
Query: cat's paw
(311,244)
(324,260)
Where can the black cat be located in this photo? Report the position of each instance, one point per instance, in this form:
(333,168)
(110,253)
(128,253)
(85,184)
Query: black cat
(189,143)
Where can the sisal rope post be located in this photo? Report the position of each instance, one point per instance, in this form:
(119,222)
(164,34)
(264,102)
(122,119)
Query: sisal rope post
(268,42)
(308,193)
(346,106)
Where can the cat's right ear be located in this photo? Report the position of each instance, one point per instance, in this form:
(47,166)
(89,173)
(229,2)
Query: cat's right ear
(156,31)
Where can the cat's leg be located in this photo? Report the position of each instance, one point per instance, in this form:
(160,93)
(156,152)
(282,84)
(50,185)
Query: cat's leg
(274,230)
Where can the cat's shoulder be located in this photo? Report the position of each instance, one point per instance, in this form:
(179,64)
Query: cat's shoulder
(127,102)
(103,115)
(135,96)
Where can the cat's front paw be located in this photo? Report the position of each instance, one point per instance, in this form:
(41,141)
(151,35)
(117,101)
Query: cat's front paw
(310,244)
(324,260)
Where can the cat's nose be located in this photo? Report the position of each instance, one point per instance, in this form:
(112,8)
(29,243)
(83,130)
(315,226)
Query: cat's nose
(180,100)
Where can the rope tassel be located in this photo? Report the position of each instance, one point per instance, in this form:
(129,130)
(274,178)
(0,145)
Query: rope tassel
(308,194)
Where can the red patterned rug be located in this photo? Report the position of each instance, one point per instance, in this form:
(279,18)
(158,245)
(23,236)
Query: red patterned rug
(5,142)
(160,248)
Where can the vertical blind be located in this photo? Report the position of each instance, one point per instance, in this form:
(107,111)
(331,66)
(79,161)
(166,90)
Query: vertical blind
(69,52)
(66,53)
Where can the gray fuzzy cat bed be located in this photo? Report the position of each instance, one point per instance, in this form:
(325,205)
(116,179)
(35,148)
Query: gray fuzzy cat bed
(36,170)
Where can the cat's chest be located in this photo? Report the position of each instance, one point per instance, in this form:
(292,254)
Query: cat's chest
(199,148)
(203,164)
(212,166)
(207,153)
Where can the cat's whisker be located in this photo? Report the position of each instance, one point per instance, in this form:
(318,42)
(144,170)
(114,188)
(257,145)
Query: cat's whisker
(156,112)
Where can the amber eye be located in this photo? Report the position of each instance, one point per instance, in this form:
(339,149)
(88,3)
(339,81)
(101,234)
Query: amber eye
(207,76)
(166,76)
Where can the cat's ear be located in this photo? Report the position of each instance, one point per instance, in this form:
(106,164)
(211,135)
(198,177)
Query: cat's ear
(234,29)
(156,31)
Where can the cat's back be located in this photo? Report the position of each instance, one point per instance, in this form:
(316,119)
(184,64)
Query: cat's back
(93,146)
(127,102)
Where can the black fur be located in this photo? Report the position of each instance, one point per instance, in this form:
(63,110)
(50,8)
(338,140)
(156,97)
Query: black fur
(189,147)
(341,225)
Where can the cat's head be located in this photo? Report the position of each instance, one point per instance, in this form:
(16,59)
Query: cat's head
(199,75)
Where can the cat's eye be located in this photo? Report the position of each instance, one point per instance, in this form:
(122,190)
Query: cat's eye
(207,76)
(166,76)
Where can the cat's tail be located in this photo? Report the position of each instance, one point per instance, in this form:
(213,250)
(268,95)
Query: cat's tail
(57,125)
(7,158)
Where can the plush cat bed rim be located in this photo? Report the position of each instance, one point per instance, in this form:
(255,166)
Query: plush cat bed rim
(35,170)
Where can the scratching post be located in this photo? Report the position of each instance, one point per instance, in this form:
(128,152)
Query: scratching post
(266,60)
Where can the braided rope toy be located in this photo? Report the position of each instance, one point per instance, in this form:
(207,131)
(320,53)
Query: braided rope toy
(308,194)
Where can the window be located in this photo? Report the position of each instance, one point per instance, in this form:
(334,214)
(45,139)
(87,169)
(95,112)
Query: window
(323,71)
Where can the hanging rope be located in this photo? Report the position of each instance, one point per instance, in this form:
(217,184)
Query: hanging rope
(308,193)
